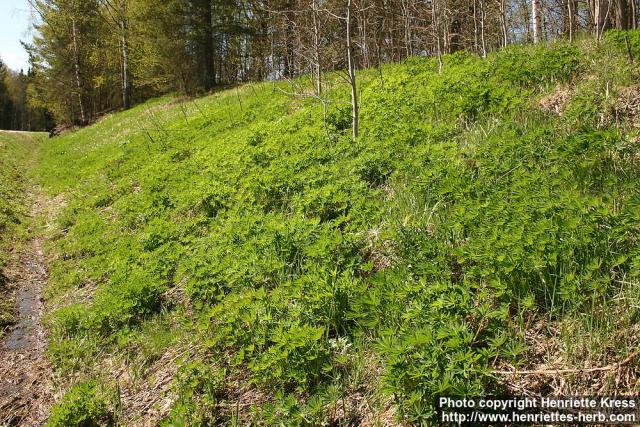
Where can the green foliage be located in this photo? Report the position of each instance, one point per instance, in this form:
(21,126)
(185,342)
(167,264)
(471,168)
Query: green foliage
(199,389)
(624,41)
(339,119)
(84,405)
(462,214)
(294,356)
(526,66)
(6,103)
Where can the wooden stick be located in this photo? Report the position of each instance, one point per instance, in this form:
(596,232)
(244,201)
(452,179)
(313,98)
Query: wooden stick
(568,371)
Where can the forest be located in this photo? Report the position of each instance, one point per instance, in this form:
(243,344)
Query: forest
(91,57)
(17,111)
(331,213)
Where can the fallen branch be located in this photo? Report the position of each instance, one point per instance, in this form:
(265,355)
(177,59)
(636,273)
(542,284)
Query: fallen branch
(569,371)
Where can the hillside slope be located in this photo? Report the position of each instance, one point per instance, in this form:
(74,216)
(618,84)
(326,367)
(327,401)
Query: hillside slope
(237,258)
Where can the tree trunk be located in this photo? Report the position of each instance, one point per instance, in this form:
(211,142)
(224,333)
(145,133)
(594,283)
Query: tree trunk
(76,60)
(364,39)
(406,23)
(207,45)
(572,19)
(503,23)
(126,85)
(536,16)
(483,38)
(602,12)
(352,74)
(476,46)
(316,48)
(436,33)
(456,20)
(622,15)
(289,53)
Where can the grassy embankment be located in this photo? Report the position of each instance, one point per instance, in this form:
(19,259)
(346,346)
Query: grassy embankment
(16,154)
(289,274)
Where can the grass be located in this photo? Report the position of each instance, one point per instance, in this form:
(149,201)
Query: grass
(298,275)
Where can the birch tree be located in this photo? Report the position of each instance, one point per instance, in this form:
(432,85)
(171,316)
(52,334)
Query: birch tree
(355,108)
(536,18)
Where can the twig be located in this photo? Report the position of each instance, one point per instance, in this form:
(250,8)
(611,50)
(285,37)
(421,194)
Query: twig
(569,371)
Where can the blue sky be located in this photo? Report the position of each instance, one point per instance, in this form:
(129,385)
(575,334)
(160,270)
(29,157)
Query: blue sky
(15,20)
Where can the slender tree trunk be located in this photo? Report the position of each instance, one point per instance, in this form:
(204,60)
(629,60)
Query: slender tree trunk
(483,38)
(524,7)
(455,21)
(352,74)
(364,39)
(126,85)
(288,43)
(536,16)
(406,22)
(571,19)
(207,45)
(76,60)
(602,12)
(436,33)
(503,23)
(263,71)
(445,30)
(476,46)
(316,47)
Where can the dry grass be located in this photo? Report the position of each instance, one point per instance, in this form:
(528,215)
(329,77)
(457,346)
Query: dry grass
(551,368)
(627,105)
(379,250)
(557,101)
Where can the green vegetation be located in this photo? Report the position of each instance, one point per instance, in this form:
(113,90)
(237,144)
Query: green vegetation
(83,405)
(301,277)
(16,149)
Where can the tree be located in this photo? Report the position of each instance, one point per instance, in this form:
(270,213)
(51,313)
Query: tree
(6,106)
(571,19)
(536,15)
(92,56)
(204,37)
(622,14)
(62,58)
(355,109)
(316,46)
(15,111)
(115,14)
